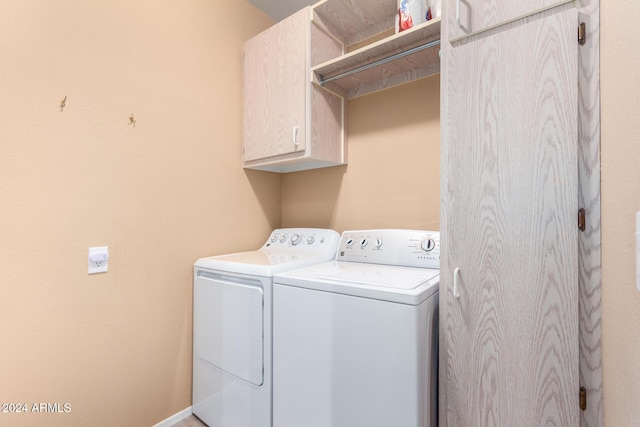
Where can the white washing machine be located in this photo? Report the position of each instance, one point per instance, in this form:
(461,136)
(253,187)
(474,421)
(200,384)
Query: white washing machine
(355,339)
(232,299)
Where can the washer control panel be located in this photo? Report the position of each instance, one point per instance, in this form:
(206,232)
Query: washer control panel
(409,248)
(301,240)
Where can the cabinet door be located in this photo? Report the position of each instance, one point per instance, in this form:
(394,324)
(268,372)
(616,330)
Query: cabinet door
(275,85)
(469,16)
(509,207)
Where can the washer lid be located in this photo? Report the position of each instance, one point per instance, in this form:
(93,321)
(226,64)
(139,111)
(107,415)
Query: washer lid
(261,262)
(408,285)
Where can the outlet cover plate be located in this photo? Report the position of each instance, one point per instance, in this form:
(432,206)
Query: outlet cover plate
(98,266)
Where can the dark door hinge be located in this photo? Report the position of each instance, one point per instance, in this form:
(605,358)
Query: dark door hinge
(582,33)
(583,398)
(582,221)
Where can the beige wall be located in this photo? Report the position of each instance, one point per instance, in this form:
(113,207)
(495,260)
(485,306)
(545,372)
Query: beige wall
(620,88)
(392,179)
(117,346)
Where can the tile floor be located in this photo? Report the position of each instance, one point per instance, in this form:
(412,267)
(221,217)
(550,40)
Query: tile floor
(192,421)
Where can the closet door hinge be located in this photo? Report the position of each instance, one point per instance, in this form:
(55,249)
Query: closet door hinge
(583,398)
(582,221)
(582,33)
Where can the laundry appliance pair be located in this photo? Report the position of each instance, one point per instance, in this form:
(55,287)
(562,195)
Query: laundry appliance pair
(315,329)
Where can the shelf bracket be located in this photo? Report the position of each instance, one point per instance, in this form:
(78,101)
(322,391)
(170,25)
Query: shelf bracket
(323,81)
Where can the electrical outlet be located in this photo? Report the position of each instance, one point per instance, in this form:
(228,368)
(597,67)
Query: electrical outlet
(98,259)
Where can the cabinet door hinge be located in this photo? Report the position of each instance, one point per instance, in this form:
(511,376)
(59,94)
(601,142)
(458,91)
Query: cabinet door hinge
(583,398)
(582,33)
(582,221)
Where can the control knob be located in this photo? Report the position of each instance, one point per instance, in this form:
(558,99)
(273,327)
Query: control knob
(364,242)
(283,238)
(295,239)
(274,238)
(427,245)
(310,240)
(377,243)
(349,242)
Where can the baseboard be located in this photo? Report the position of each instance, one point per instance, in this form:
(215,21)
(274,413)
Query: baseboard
(176,418)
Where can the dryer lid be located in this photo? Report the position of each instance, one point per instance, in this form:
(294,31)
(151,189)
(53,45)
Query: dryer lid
(261,262)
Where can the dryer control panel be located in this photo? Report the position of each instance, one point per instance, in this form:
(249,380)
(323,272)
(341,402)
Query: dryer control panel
(408,248)
(302,240)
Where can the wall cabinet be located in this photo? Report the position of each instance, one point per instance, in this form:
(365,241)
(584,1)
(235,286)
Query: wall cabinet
(509,201)
(300,72)
(290,124)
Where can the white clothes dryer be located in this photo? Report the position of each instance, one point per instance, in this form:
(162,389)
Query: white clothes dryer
(232,348)
(355,339)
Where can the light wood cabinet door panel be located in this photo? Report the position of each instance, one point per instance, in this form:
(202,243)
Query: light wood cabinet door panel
(509,202)
(275,82)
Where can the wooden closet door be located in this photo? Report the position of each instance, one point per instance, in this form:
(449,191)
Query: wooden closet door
(509,343)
